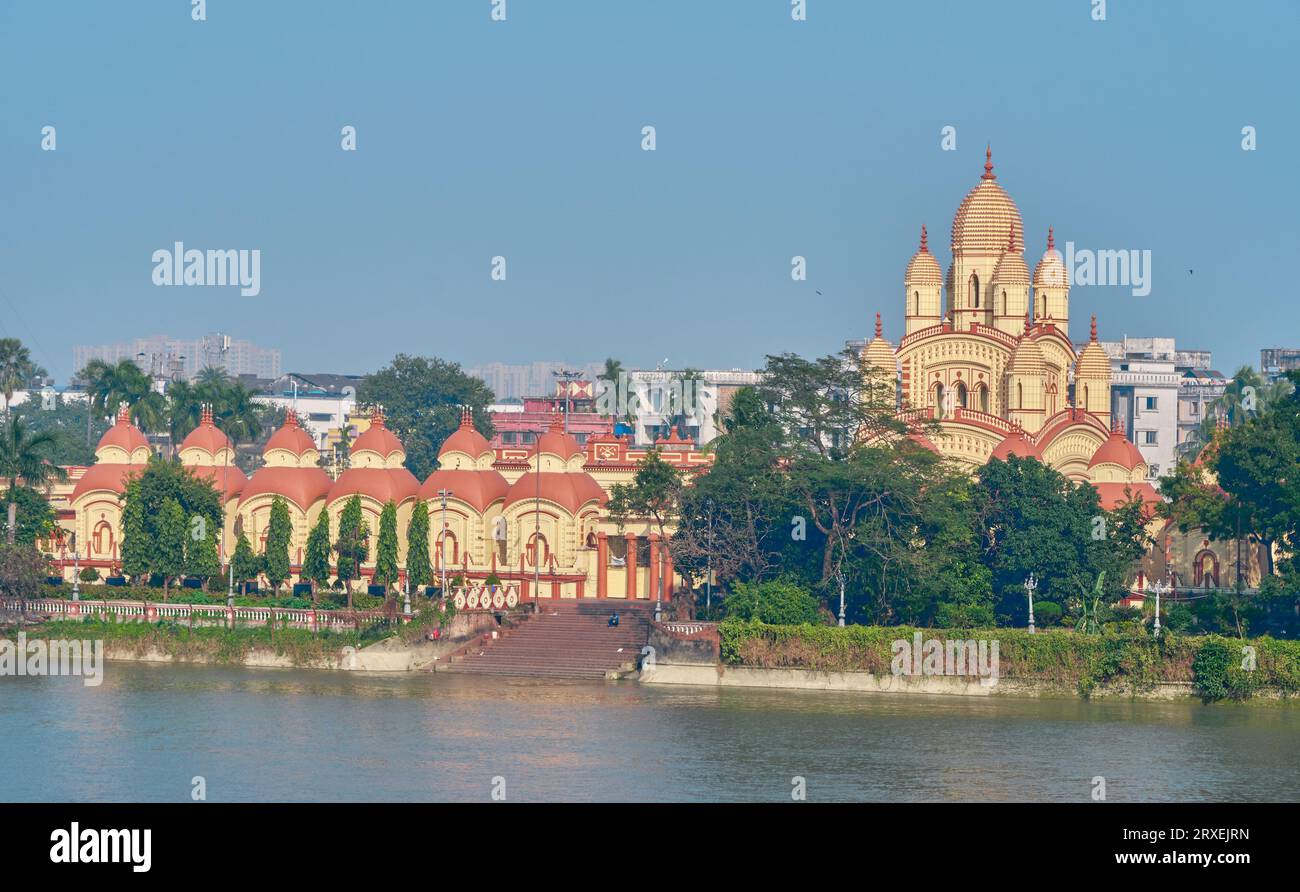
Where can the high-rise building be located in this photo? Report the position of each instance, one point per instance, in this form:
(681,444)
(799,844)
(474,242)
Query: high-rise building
(1274,362)
(167,357)
(517,381)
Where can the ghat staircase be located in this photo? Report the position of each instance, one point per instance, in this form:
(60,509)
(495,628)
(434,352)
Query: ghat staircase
(567,639)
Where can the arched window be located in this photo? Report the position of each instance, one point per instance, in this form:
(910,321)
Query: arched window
(983,398)
(916,303)
(1020,395)
(1085,396)
(975,290)
(1205,569)
(102,540)
(938,399)
(446,548)
(962,395)
(536,548)
(1004,301)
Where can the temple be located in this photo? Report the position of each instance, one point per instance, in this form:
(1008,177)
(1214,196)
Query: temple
(986,368)
(533,515)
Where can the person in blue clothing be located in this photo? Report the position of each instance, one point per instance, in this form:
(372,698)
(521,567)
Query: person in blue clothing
(613,620)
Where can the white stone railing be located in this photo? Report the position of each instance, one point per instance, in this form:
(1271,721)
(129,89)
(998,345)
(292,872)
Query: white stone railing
(136,611)
(482,597)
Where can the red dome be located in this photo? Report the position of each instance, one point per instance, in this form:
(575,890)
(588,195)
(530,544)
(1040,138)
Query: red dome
(476,488)
(466,438)
(1112,495)
(1016,444)
(557,442)
(123,434)
(1117,450)
(378,438)
(302,486)
(290,436)
(231,479)
(207,436)
(570,491)
(111,477)
(923,441)
(380,484)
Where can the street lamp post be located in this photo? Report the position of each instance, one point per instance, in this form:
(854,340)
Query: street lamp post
(442,539)
(1160,588)
(76,574)
(1030,584)
(839,574)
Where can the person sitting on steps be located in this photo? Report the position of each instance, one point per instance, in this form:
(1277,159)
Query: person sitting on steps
(613,620)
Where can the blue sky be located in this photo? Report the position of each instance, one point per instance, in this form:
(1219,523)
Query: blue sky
(523,138)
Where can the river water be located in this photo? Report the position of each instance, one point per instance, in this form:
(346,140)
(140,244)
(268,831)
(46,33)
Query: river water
(278,735)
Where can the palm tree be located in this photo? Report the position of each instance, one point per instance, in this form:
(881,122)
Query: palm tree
(149,412)
(613,372)
(184,411)
(241,417)
(22,457)
(16,368)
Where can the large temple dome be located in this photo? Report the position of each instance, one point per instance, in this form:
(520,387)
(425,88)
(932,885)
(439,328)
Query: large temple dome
(987,221)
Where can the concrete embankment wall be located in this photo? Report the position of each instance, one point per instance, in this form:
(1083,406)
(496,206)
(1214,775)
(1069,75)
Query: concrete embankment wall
(389,655)
(715,675)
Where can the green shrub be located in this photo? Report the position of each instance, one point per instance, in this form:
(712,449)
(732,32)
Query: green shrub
(1048,613)
(777,602)
(1210,670)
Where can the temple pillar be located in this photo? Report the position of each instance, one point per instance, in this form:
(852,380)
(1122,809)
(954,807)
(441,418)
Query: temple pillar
(668,574)
(602,565)
(653,589)
(630,565)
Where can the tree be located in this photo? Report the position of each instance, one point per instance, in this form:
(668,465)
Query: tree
(316,561)
(34,516)
(22,570)
(201,558)
(419,569)
(23,457)
(244,564)
(422,399)
(278,535)
(351,546)
(777,601)
(137,544)
(1033,519)
(65,423)
(144,501)
(386,548)
(612,376)
(735,518)
(169,551)
(16,369)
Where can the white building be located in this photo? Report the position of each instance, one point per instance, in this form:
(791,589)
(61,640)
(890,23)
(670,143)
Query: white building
(1144,395)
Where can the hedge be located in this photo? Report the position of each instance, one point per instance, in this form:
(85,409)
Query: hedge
(1127,656)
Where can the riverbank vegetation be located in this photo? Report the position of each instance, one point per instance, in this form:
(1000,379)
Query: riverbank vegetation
(1128,658)
(816,483)
(210,644)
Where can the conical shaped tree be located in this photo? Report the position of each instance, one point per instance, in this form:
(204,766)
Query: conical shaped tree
(278,534)
(169,559)
(316,562)
(419,570)
(201,551)
(137,546)
(243,565)
(386,548)
(351,545)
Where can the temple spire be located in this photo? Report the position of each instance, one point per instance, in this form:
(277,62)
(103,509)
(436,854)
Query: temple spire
(1093,336)
(1051,240)
(925,248)
(879,330)
(988,164)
